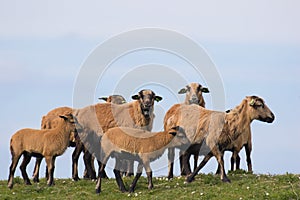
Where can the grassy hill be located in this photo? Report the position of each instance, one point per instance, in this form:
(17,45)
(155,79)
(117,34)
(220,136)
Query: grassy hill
(206,186)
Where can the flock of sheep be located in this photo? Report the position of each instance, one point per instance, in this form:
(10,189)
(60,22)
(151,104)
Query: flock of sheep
(121,130)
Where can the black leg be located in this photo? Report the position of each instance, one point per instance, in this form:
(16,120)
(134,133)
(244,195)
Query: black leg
(26,160)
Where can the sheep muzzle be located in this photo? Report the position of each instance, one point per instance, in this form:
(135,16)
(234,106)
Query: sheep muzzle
(147,111)
(268,119)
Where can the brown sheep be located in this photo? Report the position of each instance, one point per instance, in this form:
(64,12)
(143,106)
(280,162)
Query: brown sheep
(216,131)
(51,120)
(97,119)
(139,145)
(89,171)
(48,143)
(193,93)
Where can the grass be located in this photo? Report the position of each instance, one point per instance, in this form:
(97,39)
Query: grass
(206,186)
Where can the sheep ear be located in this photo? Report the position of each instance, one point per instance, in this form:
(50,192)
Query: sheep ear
(182,91)
(64,117)
(103,98)
(158,98)
(135,97)
(228,111)
(204,90)
(252,102)
(173,133)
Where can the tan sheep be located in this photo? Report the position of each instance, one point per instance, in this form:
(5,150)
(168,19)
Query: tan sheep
(51,120)
(48,143)
(193,93)
(139,145)
(216,131)
(97,119)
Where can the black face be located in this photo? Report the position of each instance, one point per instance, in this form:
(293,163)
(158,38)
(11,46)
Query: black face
(147,102)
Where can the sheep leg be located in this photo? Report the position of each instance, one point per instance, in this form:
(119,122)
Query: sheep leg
(191,177)
(12,169)
(87,157)
(85,172)
(100,170)
(219,156)
(184,160)
(218,170)
(196,161)
(149,173)
(118,176)
(37,169)
(75,156)
(248,149)
(50,165)
(136,178)
(46,173)
(129,171)
(171,155)
(233,159)
(26,160)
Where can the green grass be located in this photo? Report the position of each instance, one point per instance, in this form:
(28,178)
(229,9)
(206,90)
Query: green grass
(206,186)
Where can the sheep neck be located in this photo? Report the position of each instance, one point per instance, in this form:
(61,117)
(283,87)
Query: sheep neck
(62,136)
(237,121)
(137,115)
(162,141)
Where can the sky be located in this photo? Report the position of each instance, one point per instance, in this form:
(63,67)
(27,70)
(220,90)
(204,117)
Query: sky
(254,47)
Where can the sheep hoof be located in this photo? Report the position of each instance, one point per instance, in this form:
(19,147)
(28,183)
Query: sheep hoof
(226,180)
(36,180)
(27,183)
(131,190)
(129,174)
(10,186)
(189,179)
(76,178)
(150,187)
(123,190)
(98,190)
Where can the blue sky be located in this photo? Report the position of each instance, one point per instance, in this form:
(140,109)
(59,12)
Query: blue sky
(255,47)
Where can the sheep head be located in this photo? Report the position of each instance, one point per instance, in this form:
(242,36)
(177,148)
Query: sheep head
(116,99)
(259,110)
(193,93)
(146,99)
(72,123)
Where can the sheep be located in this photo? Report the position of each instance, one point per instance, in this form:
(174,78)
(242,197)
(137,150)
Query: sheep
(193,93)
(216,131)
(48,143)
(51,120)
(89,171)
(97,119)
(139,145)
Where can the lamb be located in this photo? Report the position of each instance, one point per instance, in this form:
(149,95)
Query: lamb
(216,131)
(48,143)
(97,119)
(135,144)
(51,120)
(193,93)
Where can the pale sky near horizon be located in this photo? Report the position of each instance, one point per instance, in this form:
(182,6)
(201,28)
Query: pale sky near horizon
(254,45)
